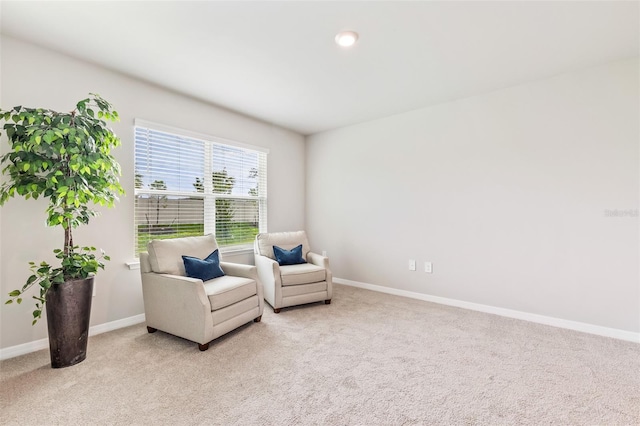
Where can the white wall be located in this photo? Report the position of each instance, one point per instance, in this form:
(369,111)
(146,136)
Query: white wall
(504,192)
(31,76)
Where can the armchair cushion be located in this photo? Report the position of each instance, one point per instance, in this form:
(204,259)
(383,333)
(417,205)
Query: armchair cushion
(227,290)
(288,257)
(302,274)
(204,269)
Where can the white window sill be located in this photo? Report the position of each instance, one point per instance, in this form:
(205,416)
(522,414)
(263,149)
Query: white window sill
(135,264)
(237,251)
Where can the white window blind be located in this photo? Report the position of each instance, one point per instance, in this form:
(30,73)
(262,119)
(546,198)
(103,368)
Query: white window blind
(188,184)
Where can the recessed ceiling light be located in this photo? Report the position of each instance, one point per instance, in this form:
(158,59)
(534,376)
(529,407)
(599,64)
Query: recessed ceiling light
(346,38)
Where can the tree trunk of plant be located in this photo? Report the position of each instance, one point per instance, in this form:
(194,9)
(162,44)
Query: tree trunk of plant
(68,238)
(68,314)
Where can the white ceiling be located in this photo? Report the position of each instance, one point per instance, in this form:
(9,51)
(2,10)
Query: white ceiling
(277,61)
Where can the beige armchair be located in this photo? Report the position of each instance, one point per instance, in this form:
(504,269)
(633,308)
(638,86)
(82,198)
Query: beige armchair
(296,284)
(188,307)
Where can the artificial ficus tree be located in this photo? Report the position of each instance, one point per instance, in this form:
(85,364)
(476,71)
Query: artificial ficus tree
(66,158)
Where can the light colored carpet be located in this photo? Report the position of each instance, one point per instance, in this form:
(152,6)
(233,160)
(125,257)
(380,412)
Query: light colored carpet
(367,359)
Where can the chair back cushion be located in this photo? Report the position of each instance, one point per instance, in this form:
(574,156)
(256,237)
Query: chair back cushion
(165,256)
(286,240)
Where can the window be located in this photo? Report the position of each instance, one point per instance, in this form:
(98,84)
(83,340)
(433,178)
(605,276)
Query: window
(188,184)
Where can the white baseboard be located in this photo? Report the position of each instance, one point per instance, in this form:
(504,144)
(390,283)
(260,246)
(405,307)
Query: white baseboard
(37,345)
(630,336)
(540,319)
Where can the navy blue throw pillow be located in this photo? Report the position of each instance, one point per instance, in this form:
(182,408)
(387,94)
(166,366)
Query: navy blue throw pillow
(289,257)
(205,269)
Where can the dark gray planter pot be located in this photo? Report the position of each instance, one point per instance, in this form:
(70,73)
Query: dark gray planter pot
(68,314)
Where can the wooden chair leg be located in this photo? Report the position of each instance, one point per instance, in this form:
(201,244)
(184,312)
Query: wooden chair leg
(203,347)
(258,319)
(327,302)
(276,310)
(151,329)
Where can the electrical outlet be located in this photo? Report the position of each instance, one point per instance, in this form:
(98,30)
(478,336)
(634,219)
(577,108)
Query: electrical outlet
(428,267)
(324,253)
(412,265)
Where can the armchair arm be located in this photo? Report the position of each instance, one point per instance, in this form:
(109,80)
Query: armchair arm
(269,274)
(246,271)
(165,298)
(239,270)
(323,262)
(318,260)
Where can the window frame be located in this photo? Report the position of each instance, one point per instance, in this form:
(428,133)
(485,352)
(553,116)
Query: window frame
(208,195)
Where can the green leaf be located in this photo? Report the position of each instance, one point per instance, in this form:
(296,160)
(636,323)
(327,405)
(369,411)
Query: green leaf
(14,293)
(49,136)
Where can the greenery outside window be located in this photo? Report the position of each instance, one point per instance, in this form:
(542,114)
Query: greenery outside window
(188,184)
